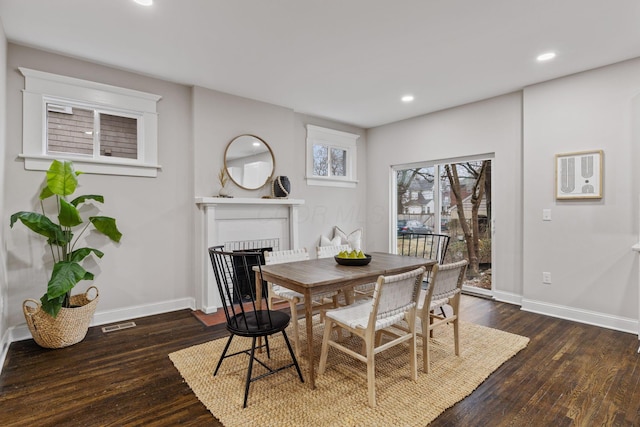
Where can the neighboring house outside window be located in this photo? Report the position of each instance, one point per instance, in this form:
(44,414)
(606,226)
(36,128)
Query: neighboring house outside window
(102,129)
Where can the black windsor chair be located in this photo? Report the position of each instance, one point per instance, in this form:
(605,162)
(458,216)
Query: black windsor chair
(242,314)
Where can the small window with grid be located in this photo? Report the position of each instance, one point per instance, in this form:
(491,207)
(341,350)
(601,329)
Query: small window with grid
(331,158)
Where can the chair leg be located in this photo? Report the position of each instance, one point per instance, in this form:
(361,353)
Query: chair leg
(413,353)
(266,343)
(293,356)
(328,325)
(224,352)
(371,371)
(456,336)
(426,336)
(249,370)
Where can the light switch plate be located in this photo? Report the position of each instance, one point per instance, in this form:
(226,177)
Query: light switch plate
(546,214)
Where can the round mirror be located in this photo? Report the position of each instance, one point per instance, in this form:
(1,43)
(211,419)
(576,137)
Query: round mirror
(249,162)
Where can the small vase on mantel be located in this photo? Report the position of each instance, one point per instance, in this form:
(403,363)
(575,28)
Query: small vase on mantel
(223,192)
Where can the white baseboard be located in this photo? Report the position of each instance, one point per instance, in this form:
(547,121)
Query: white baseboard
(617,323)
(474,290)
(4,348)
(507,297)
(21,332)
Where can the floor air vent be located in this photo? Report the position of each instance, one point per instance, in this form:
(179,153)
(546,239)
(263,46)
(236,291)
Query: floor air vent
(118,327)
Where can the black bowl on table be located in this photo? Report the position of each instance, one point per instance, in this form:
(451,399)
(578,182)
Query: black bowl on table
(353,261)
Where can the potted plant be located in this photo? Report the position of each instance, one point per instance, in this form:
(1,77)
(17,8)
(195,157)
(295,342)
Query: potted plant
(55,313)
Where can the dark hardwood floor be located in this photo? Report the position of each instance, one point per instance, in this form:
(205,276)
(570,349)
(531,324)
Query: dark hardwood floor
(570,375)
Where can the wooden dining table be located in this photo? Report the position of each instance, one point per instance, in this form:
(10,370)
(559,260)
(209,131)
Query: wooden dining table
(317,276)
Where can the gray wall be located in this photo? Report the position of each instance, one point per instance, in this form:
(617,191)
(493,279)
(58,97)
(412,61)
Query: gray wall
(219,117)
(157,266)
(587,245)
(326,207)
(150,270)
(488,127)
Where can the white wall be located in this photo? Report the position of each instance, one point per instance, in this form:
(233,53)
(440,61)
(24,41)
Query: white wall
(327,207)
(587,245)
(219,117)
(151,269)
(4,294)
(157,266)
(493,127)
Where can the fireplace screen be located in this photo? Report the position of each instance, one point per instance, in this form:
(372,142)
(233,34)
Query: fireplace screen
(245,277)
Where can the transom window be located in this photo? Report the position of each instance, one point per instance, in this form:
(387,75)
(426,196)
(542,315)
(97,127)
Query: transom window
(103,129)
(331,157)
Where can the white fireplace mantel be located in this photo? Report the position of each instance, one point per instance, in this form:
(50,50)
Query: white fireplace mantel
(225,219)
(204,201)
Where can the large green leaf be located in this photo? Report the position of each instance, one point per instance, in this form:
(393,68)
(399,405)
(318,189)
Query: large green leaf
(106,226)
(45,193)
(52,306)
(68,215)
(65,275)
(62,178)
(41,225)
(80,254)
(82,199)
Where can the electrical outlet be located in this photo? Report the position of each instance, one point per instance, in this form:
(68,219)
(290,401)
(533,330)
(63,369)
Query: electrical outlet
(546,214)
(546,277)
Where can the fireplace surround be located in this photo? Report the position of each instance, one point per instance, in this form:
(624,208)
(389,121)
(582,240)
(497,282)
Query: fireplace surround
(234,221)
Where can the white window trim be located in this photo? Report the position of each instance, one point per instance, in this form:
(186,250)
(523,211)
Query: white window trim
(336,139)
(41,86)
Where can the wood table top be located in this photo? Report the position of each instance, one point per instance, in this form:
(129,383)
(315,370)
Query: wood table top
(325,271)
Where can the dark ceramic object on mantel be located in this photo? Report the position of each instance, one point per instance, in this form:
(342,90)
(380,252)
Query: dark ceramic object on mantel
(280,187)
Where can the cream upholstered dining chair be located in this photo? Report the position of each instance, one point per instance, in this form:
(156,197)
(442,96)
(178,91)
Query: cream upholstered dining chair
(275,291)
(444,289)
(394,300)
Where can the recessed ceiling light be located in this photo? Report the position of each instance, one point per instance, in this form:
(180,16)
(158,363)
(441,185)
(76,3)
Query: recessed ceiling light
(546,56)
(144,2)
(407,98)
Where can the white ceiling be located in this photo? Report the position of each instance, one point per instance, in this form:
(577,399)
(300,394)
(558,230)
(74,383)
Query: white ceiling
(346,60)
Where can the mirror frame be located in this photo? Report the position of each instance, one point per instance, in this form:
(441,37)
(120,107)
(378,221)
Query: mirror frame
(273,161)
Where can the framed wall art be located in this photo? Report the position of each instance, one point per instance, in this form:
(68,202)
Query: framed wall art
(579,175)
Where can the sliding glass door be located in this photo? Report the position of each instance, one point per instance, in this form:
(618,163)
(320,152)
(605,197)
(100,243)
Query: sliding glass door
(452,198)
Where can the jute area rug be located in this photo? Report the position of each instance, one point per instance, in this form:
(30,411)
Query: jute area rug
(340,397)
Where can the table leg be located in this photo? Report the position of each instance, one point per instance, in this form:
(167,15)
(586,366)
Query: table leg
(258,283)
(308,315)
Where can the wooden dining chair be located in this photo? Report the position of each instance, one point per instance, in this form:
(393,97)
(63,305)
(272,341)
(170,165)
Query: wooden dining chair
(445,289)
(275,292)
(243,318)
(394,300)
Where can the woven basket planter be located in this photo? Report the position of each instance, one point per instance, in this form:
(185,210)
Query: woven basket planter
(68,328)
